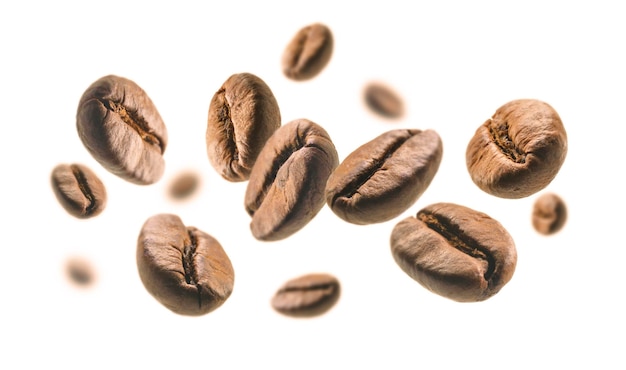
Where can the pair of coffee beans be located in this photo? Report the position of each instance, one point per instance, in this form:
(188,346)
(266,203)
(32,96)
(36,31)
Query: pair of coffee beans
(79,190)
(122,129)
(182,267)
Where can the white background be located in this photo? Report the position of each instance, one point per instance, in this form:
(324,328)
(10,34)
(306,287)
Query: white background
(453,63)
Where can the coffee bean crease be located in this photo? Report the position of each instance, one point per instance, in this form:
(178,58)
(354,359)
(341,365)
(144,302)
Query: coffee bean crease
(499,130)
(459,240)
(83,185)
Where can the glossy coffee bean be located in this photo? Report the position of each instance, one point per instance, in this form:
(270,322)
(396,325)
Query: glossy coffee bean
(307,296)
(549,214)
(120,126)
(243,114)
(385,176)
(79,191)
(286,186)
(455,251)
(518,151)
(183,268)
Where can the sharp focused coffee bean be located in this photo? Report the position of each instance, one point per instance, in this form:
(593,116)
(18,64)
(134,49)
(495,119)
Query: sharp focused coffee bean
(384,177)
(122,129)
(308,52)
(307,296)
(243,114)
(184,268)
(183,185)
(383,101)
(80,271)
(518,151)
(549,214)
(455,251)
(286,186)
(78,190)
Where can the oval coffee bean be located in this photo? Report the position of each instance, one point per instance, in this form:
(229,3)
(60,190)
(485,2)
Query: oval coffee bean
(78,190)
(80,271)
(243,114)
(122,129)
(308,52)
(185,269)
(384,177)
(286,186)
(383,101)
(307,296)
(549,214)
(455,251)
(518,151)
(183,185)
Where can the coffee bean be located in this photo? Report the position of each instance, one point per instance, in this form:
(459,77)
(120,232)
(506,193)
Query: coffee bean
(286,187)
(184,268)
(518,151)
(78,190)
(549,214)
(183,185)
(243,114)
(122,129)
(455,251)
(80,271)
(308,52)
(382,100)
(384,177)
(307,296)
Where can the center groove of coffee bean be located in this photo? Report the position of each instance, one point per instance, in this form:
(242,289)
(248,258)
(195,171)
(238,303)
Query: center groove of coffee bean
(134,120)
(499,131)
(189,252)
(229,130)
(84,188)
(459,240)
(323,287)
(353,186)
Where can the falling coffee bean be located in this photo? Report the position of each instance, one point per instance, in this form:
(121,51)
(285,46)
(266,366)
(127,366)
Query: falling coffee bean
(382,100)
(549,214)
(307,296)
(183,268)
(183,185)
(518,151)
(77,188)
(455,251)
(80,271)
(308,52)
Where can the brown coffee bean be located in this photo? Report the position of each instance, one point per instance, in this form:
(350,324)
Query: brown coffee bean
(549,214)
(243,114)
(122,129)
(307,296)
(80,271)
(183,268)
(518,151)
(183,185)
(78,190)
(384,177)
(455,251)
(286,187)
(382,100)
(308,52)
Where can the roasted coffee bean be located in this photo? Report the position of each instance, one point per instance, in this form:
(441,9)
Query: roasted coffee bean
(384,177)
(243,114)
(549,214)
(518,151)
(308,52)
(455,251)
(122,129)
(382,100)
(183,185)
(80,271)
(78,190)
(307,296)
(185,269)
(286,186)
